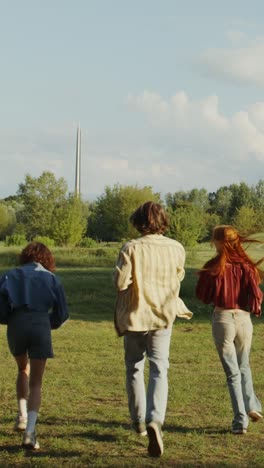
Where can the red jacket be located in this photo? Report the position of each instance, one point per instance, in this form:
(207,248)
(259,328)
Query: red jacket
(236,288)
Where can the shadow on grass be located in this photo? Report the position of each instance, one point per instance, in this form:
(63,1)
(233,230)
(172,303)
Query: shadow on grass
(13,449)
(197,430)
(55,421)
(94,435)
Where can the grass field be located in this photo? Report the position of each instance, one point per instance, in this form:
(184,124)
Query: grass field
(84,418)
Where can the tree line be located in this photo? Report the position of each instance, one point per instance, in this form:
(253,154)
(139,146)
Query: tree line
(43,209)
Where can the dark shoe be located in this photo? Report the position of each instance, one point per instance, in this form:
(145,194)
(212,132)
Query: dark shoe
(241,430)
(140,428)
(155,448)
(255,416)
(30,442)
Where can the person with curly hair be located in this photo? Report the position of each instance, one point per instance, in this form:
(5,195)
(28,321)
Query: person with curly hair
(34,301)
(230,281)
(148,274)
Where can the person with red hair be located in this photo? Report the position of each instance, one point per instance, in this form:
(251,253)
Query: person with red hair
(230,281)
(34,302)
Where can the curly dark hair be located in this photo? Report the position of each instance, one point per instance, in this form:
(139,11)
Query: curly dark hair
(37,252)
(150,218)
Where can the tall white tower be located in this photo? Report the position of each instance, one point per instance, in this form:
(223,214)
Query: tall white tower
(78,163)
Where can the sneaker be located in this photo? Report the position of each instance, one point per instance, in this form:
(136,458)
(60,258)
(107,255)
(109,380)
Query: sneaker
(140,428)
(241,430)
(30,442)
(255,416)
(21,423)
(155,447)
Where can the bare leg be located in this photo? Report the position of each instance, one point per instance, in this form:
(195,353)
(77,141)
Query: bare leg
(37,367)
(22,376)
(22,390)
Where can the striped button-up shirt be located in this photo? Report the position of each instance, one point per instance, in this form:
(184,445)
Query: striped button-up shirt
(148,275)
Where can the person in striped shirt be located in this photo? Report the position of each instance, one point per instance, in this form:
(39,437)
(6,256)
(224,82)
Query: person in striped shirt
(147,275)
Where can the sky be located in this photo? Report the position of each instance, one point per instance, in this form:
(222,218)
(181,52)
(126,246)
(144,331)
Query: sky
(168,93)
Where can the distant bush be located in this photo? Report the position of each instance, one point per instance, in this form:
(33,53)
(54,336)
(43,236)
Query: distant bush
(101,253)
(87,242)
(15,239)
(45,240)
(85,257)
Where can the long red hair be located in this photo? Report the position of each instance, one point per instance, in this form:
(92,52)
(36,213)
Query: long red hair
(229,242)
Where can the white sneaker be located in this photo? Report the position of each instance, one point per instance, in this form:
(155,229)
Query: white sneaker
(255,416)
(21,423)
(30,442)
(140,428)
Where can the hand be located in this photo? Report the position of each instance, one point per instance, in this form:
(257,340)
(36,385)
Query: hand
(123,272)
(126,259)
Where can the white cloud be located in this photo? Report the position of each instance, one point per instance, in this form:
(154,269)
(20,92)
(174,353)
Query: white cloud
(236,37)
(241,63)
(113,165)
(184,143)
(200,124)
(151,103)
(179,111)
(256,115)
(199,144)
(15,166)
(32,152)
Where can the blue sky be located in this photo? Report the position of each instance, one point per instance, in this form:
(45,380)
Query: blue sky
(168,93)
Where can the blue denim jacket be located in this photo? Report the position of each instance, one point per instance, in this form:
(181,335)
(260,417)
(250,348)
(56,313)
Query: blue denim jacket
(33,286)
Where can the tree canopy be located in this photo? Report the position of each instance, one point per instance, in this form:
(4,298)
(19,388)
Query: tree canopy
(40,196)
(236,204)
(43,207)
(109,220)
(7,220)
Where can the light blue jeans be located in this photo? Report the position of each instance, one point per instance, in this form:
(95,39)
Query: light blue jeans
(232,332)
(155,345)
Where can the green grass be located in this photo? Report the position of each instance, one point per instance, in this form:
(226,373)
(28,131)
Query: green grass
(84,418)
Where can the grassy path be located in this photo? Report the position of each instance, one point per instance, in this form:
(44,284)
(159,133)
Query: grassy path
(84,418)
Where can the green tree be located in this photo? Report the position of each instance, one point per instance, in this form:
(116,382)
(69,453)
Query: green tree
(242,195)
(69,222)
(39,197)
(258,198)
(177,199)
(109,220)
(199,198)
(7,220)
(221,201)
(245,220)
(187,224)
(211,220)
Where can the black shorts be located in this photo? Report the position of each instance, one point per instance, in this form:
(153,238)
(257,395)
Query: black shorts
(28,331)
